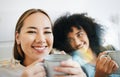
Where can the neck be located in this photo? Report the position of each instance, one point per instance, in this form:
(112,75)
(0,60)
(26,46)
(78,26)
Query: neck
(27,61)
(90,57)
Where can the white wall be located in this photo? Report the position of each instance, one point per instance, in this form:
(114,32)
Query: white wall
(6,50)
(10,10)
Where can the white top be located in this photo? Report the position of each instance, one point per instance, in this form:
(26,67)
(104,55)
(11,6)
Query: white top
(10,68)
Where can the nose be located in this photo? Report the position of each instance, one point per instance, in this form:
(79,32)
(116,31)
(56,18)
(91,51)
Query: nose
(40,38)
(77,41)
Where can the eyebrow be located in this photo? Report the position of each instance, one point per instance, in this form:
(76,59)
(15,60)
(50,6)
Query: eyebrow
(32,27)
(36,28)
(47,28)
(79,31)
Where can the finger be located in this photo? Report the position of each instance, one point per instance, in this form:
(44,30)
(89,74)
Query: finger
(111,67)
(115,67)
(102,61)
(78,75)
(98,58)
(101,65)
(70,67)
(102,54)
(107,66)
(69,70)
(38,68)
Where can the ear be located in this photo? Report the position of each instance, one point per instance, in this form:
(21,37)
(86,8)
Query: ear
(17,37)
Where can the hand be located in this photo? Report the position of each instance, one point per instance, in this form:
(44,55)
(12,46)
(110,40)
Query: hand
(34,70)
(71,68)
(105,66)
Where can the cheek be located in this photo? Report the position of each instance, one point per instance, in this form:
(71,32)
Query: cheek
(26,41)
(86,38)
(72,45)
(50,40)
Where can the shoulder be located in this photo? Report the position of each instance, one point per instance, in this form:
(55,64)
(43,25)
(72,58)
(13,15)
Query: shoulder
(10,69)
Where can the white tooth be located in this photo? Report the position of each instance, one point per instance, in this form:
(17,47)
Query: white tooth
(40,48)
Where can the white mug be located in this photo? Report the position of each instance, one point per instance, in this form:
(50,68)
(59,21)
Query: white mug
(54,60)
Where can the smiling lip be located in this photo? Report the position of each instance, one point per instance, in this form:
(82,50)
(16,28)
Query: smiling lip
(81,46)
(40,49)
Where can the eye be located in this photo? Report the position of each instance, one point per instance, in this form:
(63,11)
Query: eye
(80,34)
(48,32)
(31,32)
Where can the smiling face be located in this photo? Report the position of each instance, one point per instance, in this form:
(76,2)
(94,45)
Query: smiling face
(78,39)
(35,37)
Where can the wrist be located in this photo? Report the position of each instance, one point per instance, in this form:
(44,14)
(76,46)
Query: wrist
(98,74)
